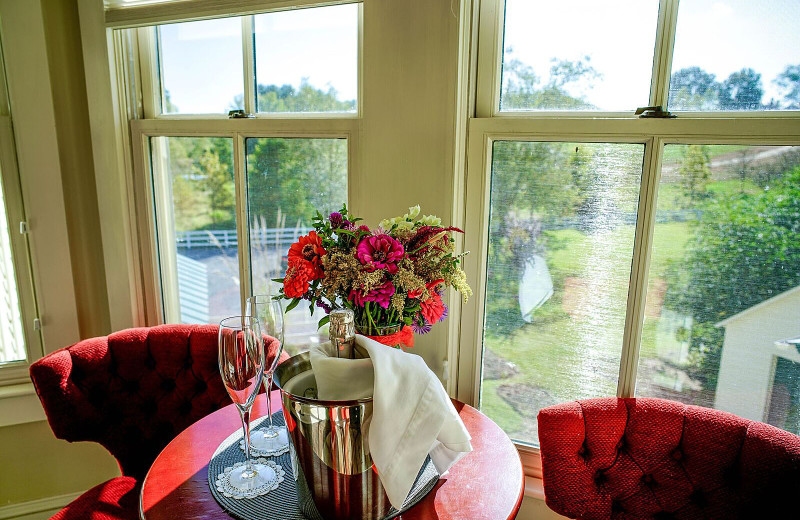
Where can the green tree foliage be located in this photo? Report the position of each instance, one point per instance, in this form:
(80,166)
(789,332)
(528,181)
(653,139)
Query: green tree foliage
(745,249)
(695,174)
(693,89)
(523,88)
(741,91)
(789,83)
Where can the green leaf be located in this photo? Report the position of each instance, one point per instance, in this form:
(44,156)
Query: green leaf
(277,280)
(323,322)
(292,305)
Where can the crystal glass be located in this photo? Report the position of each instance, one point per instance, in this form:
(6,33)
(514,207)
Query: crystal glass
(273,439)
(241,364)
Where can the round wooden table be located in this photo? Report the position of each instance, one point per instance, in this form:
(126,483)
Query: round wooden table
(486,484)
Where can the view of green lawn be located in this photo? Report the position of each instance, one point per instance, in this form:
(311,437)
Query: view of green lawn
(571,349)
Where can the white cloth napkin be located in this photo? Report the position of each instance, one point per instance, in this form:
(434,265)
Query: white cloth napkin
(412,415)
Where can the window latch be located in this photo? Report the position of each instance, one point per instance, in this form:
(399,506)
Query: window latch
(656,111)
(23,228)
(239,114)
(37,324)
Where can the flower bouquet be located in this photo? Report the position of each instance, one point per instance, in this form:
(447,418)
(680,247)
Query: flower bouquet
(392,277)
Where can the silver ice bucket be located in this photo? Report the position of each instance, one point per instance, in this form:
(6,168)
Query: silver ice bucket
(330,442)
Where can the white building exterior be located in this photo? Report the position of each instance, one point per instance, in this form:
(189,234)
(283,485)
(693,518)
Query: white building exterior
(750,353)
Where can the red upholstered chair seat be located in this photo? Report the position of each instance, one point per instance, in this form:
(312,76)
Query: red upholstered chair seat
(132,392)
(655,459)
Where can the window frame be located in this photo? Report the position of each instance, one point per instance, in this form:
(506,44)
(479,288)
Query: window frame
(490,124)
(15,372)
(156,246)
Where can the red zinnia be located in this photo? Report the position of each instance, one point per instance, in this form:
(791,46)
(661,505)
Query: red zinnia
(432,309)
(295,284)
(307,253)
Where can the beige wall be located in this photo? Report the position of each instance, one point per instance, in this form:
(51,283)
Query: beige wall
(65,61)
(42,49)
(407,140)
(36,465)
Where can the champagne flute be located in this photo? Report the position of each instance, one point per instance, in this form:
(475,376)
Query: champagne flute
(272,440)
(241,364)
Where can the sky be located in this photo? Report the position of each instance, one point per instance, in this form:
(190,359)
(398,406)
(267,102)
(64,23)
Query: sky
(202,61)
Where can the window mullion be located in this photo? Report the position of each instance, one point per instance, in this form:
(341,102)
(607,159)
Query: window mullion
(640,265)
(665,45)
(249,60)
(150,72)
(242,217)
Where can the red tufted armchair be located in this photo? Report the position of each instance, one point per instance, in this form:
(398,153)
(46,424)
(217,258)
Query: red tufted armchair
(655,459)
(132,392)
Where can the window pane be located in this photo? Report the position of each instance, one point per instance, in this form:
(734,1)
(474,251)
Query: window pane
(723,300)
(578,54)
(288,181)
(12,341)
(736,55)
(561,231)
(201,66)
(307,60)
(199,217)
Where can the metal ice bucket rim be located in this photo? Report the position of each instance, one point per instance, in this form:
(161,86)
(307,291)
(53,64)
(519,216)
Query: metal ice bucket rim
(301,363)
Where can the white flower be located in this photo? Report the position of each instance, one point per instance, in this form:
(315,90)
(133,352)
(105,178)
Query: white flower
(413,212)
(405,225)
(430,220)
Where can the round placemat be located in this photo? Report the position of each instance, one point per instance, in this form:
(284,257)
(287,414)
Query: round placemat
(283,503)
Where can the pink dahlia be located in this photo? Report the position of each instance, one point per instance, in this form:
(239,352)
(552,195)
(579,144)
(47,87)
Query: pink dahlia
(381,294)
(380,252)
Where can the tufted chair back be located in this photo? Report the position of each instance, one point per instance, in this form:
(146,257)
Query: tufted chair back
(644,458)
(134,390)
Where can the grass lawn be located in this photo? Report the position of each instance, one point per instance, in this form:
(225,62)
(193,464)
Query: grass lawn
(572,348)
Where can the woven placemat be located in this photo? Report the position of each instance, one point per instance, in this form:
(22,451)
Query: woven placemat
(283,503)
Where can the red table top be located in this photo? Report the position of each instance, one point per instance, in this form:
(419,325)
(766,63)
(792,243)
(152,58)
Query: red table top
(485,484)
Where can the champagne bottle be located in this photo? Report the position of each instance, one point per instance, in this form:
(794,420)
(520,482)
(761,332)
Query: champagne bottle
(342,332)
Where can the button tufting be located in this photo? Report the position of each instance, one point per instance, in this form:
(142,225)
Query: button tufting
(149,407)
(677,454)
(185,408)
(168,384)
(600,478)
(131,386)
(698,498)
(663,515)
(616,507)
(583,452)
(648,480)
(150,363)
(621,444)
(188,363)
(200,386)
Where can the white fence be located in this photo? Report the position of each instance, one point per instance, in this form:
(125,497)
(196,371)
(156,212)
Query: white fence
(225,238)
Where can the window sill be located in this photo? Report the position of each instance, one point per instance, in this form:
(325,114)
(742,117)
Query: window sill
(19,404)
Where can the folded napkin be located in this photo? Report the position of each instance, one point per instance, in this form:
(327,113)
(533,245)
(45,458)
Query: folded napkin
(412,415)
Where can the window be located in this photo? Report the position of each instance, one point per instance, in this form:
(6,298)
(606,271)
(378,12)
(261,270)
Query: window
(230,194)
(20,340)
(619,255)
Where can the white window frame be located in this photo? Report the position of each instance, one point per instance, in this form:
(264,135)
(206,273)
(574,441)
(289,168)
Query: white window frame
(152,200)
(16,372)
(490,125)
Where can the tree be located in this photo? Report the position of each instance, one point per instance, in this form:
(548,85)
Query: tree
(695,174)
(741,91)
(693,89)
(789,83)
(746,249)
(523,88)
(216,179)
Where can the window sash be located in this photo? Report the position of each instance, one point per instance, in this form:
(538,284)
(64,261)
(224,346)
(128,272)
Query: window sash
(153,204)
(17,371)
(147,48)
(490,63)
(654,134)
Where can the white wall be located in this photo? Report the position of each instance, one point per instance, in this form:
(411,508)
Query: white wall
(748,355)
